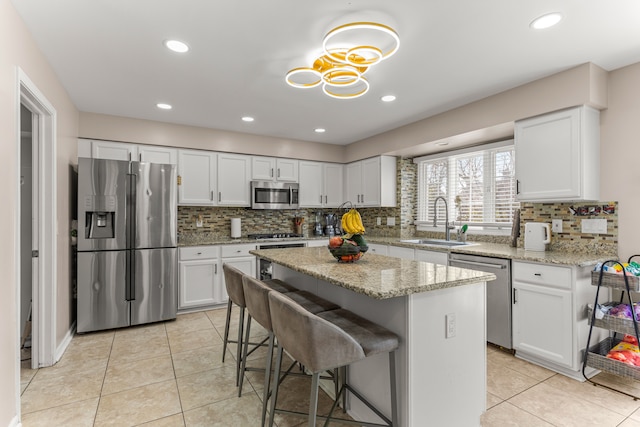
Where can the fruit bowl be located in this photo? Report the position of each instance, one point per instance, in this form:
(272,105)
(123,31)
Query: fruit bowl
(348,252)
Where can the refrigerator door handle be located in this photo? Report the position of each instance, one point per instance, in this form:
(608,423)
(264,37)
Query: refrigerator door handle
(131,221)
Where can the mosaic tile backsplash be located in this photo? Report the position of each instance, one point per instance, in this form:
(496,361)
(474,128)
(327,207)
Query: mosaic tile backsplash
(217,220)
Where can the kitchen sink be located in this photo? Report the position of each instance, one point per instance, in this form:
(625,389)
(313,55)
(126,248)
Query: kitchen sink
(437,242)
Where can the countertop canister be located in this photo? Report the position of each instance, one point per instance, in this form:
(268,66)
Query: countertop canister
(235,228)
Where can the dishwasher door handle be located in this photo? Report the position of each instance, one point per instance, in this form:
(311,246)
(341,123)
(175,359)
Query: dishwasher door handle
(480,264)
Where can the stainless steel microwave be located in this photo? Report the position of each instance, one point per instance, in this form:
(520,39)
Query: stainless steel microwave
(274,195)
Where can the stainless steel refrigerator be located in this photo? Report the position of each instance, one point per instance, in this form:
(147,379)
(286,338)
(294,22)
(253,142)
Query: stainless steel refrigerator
(127,265)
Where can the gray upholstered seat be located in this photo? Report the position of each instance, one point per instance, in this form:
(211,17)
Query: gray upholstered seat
(328,340)
(233,283)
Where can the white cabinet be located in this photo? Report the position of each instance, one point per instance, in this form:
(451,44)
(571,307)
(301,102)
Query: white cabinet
(317,243)
(199,282)
(239,257)
(371,182)
(401,252)
(126,151)
(378,249)
(321,184)
(434,257)
(234,172)
(197,177)
(549,314)
(557,156)
(155,154)
(274,169)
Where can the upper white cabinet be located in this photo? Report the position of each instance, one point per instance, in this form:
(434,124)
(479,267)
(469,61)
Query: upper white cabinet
(371,182)
(274,169)
(155,154)
(126,151)
(321,184)
(557,156)
(197,178)
(234,173)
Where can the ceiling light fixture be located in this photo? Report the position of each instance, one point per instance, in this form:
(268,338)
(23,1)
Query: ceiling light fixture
(388,98)
(247,119)
(176,46)
(319,130)
(348,52)
(546,21)
(163,106)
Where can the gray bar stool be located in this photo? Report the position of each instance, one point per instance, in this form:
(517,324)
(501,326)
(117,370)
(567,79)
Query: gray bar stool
(328,340)
(233,283)
(257,304)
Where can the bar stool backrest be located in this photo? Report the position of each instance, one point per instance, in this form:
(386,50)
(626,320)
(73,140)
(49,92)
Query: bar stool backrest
(233,283)
(312,341)
(256,296)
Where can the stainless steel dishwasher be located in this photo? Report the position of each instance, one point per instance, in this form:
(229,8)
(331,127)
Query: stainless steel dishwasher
(498,294)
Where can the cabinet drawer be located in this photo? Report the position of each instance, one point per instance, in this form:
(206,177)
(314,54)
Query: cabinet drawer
(542,274)
(198,252)
(236,250)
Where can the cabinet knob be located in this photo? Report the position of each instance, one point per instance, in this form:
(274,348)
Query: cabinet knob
(199,253)
(537,274)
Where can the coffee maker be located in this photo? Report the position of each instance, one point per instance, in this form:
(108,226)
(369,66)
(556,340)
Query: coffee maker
(329,228)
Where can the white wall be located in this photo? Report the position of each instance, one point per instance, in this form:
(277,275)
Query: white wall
(17,49)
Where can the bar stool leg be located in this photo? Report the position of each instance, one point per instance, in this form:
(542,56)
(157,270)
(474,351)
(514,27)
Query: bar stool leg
(226,329)
(245,347)
(267,378)
(313,399)
(239,345)
(276,383)
(394,397)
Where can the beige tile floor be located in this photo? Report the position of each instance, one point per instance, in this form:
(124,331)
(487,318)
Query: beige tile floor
(171,374)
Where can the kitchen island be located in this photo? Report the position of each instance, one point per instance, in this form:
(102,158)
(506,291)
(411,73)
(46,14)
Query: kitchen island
(437,311)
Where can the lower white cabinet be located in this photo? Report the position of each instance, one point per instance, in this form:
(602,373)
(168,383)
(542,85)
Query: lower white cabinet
(549,309)
(401,252)
(318,242)
(378,249)
(199,282)
(201,278)
(434,257)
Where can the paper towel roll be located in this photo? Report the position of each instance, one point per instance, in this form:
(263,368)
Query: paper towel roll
(235,228)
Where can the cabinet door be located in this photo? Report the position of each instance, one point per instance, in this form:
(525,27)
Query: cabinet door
(400,252)
(287,170)
(317,243)
(551,143)
(245,264)
(310,193)
(433,257)
(378,249)
(353,182)
(263,168)
(199,283)
(542,325)
(113,150)
(333,185)
(197,171)
(370,182)
(153,154)
(233,180)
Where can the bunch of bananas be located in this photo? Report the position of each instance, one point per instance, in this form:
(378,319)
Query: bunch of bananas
(352,222)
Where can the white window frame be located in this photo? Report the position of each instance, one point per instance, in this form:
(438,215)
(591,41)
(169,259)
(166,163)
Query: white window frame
(486,228)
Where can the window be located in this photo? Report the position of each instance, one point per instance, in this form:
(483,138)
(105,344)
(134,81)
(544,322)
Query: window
(478,185)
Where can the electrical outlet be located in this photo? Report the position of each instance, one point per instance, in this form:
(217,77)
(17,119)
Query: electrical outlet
(199,221)
(450,320)
(594,226)
(556,225)
(391,221)
(379,221)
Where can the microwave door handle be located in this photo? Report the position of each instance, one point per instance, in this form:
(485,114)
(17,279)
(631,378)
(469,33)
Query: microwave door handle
(290,195)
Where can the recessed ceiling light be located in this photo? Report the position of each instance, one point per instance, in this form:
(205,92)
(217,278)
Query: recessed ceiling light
(247,119)
(164,106)
(442,143)
(546,21)
(320,130)
(388,98)
(176,46)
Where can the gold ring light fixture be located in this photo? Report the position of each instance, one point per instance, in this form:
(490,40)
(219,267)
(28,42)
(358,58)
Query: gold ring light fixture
(348,52)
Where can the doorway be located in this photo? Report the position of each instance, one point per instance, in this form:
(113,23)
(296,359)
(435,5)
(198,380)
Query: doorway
(35,247)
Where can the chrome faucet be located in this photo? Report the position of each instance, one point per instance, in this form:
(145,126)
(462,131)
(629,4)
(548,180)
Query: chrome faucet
(447,229)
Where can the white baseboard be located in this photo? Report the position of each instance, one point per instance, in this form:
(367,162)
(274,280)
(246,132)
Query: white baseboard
(15,422)
(65,342)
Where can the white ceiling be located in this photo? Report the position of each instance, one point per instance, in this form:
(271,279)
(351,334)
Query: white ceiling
(110,57)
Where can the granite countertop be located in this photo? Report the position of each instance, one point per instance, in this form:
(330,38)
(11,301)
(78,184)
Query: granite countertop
(497,250)
(377,276)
